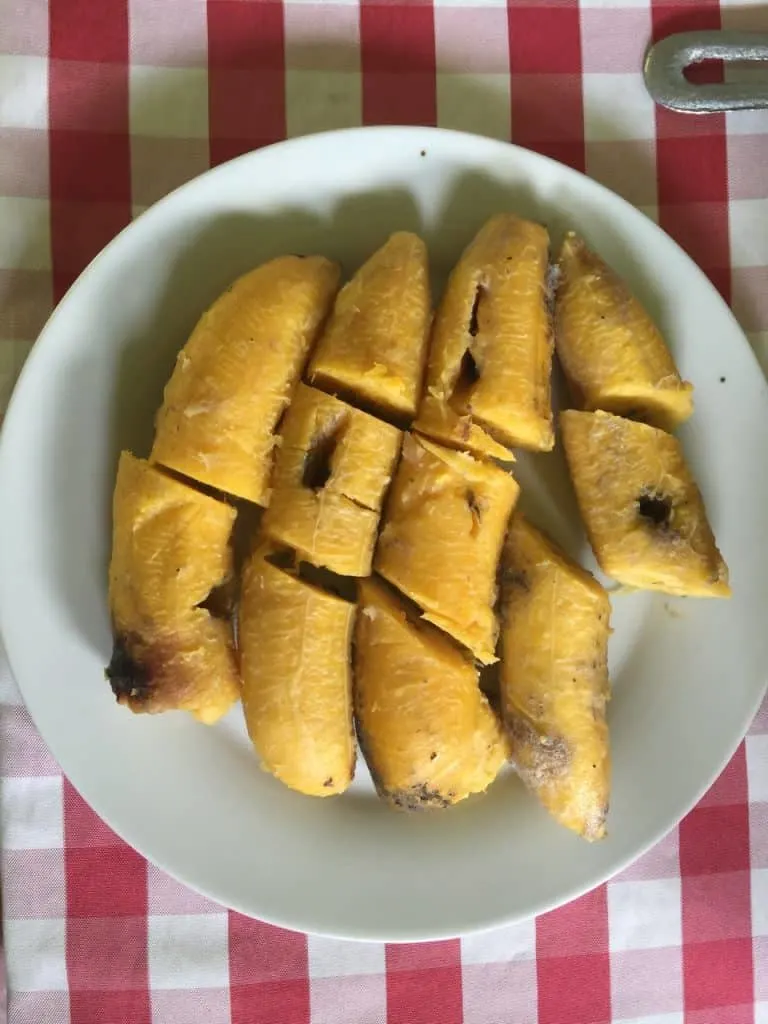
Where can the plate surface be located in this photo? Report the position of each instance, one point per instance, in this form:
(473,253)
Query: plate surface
(687,675)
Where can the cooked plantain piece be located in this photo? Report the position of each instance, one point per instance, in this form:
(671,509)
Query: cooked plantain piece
(612,353)
(490,361)
(554,678)
(170,549)
(426,729)
(375,345)
(444,525)
(297,691)
(331,471)
(234,377)
(643,512)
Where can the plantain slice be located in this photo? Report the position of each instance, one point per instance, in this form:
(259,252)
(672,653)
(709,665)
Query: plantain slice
(233,378)
(554,678)
(612,353)
(170,549)
(490,361)
(427,731)
(643,512)
(443,529)
(375,345)
(297,693)
(331,471)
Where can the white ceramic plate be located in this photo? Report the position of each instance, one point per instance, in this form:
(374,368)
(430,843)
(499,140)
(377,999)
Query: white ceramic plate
(687,675)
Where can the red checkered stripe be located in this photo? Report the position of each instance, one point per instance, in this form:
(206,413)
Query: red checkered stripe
(120,101)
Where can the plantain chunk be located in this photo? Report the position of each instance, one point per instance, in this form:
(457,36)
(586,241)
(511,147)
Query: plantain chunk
(297,692)
(643,512)
(170,549)
(233,378)
(490,361)
(426,729)
(331,471)
(612,353)
(554,678)
(443,529)
(375,345)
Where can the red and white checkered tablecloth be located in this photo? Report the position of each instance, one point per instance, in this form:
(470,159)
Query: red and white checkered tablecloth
(106,105)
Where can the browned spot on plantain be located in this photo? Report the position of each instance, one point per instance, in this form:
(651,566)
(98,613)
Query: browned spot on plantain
(130,679)
(419,798)
(655,509)
(537,757)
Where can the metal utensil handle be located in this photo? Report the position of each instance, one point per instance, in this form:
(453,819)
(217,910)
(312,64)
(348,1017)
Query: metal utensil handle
(667,59)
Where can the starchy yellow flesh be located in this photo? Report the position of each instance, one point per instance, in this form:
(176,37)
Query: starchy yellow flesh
(643,512)
(428,734)
(490,360)
(612,353)
(233,378)
(332,468)
(297,691)
(554,678)
(170,548)
(443,528)
(375,345)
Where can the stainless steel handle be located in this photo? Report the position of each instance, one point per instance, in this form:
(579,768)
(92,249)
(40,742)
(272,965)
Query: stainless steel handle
(666,60)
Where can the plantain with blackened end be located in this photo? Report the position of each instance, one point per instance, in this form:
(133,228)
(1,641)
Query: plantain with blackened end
(490,361)
(170,550)
(612,353)
(555,623)
(643,512)
(427,731)
(294,641)
(442,532)
(233,378)
(375,345)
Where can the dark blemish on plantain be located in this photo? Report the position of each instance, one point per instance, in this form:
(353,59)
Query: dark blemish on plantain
(317,461)
(420,797)
(328,782)
(127,677)
(655,508)
(474,508)
(433,755)
(474,325)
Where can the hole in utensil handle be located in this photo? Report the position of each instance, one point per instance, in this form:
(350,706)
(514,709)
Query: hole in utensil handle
(666,61)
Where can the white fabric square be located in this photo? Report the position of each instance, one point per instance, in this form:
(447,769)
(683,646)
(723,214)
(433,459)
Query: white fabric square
(617,106)
(501,945)
(333,958)
(23,91)
(25,238)
(188,951)
(675,1017)
(645,915)
(749,232)
(757,746)
(759,887)
(478,103)
(318,100)
(33,813)
(36,949)
(169,102)
(761,1013)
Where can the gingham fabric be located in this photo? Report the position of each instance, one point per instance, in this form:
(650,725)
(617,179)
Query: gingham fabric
(106,105)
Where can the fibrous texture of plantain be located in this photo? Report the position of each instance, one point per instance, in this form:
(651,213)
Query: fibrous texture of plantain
(490,359)
(295,660)
(643,512)
(170,549)
(555,622)
(331,471)
(375,345)
(233,378)
(443,528)
(612,353)
(428,733)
